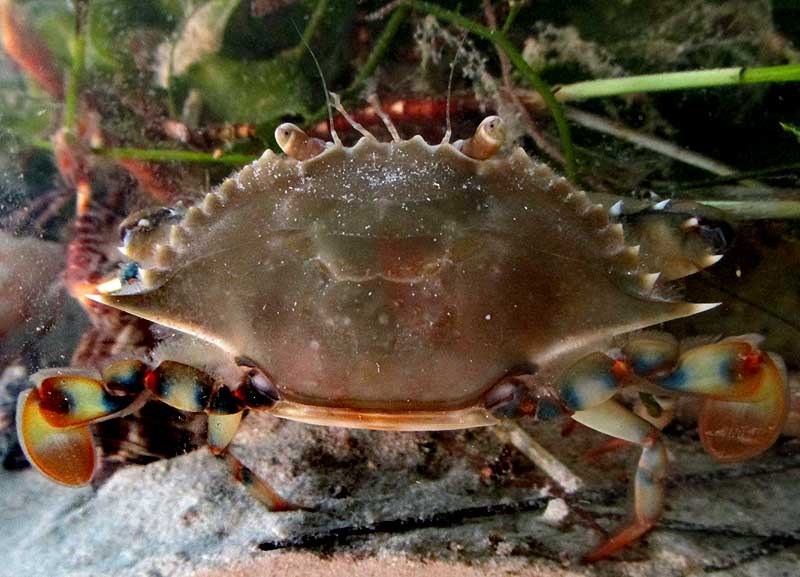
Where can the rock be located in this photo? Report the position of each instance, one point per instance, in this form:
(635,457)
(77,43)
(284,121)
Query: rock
(415,504)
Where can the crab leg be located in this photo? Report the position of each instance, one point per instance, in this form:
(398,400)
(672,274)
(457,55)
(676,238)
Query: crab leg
(53,419)
(592,380)
(744,408)
(587,388)
(189,389)
(613,419)
(256,486)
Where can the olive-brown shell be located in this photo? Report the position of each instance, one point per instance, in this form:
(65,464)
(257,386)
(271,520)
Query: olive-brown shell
(395,276)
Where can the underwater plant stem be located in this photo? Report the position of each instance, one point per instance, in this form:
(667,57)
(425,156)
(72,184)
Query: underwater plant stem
(677,81)
(72,93)
(162,155)
(738,176)
(757,209)
(649,142)
(317,18)
(499,39)
(514,7)
(381,45)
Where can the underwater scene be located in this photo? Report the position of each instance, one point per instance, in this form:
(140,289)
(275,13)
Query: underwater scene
(371,287)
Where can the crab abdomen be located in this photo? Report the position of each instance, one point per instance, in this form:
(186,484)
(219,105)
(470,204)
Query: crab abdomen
(396,276)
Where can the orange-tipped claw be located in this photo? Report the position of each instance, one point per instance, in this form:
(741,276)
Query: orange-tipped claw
(738,430)
(66,456)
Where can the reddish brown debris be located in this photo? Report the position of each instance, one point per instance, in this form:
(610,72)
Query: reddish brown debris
(24,47)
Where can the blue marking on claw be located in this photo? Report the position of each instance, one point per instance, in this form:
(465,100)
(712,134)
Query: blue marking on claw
(677,380)
(582,391)
(644,364)
(108,403)
(571,398)
(726,372)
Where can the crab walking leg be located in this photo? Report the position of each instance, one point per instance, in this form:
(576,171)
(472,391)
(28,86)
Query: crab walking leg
(256,486)
(511,399)
(511,433)
(189,389)
(615,420)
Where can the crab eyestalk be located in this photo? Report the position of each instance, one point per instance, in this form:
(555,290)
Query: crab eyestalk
(487,140)
(297,144)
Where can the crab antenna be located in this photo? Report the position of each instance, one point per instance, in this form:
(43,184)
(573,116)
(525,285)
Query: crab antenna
(334,135)
(337,104)
(387,120)
(448,132)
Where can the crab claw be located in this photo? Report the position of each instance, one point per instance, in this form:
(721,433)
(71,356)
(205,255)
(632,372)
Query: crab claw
(676,238)
(67,400)
(730,370)
(66,456)
(738,430)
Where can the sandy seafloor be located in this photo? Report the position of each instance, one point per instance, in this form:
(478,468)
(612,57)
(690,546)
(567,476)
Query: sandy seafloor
(398,504)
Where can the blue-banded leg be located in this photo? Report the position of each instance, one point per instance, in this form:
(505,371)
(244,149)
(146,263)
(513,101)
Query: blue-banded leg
(187,388)
(744,406)
(514,398)
(53,419)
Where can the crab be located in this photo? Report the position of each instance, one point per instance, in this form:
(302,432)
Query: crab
(407,286)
